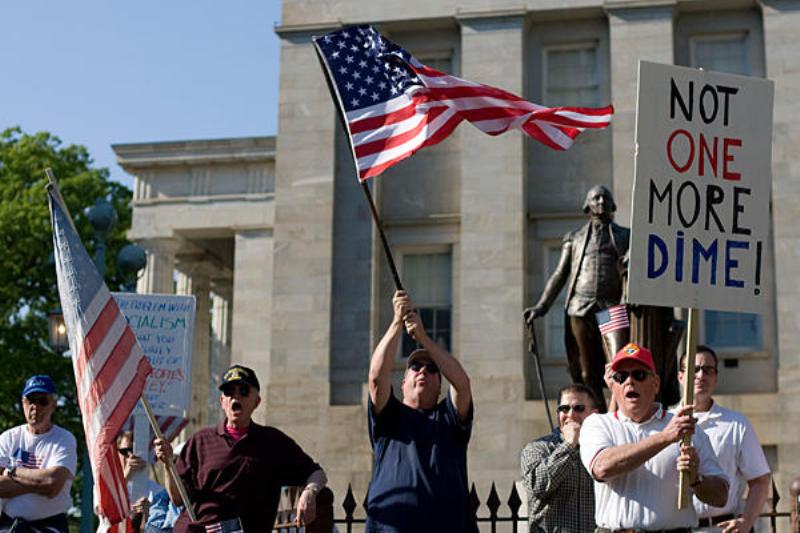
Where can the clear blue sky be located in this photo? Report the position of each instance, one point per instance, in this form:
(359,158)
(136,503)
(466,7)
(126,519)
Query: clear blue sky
(99,72)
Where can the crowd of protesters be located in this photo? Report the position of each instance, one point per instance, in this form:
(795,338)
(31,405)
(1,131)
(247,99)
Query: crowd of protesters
(614,472)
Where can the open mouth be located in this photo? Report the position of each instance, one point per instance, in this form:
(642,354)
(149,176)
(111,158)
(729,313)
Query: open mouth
(632,394)
(236,406)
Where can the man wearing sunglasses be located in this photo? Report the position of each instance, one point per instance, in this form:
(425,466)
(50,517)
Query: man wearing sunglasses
(234,472)
(560,491)
(419,477)
(131,464)
(635,456)
(38,462)
(736,446)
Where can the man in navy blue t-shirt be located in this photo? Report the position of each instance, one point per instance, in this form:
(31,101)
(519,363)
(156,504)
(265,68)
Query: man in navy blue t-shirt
(419,478)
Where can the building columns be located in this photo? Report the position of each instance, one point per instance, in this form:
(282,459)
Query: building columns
(634,33)
(157,277)
(492,246)
(194,279)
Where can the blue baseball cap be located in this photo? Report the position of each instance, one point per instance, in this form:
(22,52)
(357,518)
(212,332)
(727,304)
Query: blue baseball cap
(39,383)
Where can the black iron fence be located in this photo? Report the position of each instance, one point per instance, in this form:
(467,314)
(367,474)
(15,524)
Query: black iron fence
(500,513)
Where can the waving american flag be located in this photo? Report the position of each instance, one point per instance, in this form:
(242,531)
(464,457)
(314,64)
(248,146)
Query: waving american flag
(394,105)
(110,367)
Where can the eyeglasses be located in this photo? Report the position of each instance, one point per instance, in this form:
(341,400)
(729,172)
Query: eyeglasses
(430,367)
(706,369)
(622,375)
(230,390)
(125,452)
(41,401)
(578,408)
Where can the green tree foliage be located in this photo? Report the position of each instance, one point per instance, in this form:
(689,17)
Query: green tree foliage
(27,274)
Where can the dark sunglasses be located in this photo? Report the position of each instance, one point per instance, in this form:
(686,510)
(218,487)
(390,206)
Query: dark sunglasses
(707,369)
(125,452)
(230,390)
(41,401)
(566,408)
(430,367)
(622,375)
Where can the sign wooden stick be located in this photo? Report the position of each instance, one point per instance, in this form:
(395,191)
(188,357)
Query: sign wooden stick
(171,471)
(684,496)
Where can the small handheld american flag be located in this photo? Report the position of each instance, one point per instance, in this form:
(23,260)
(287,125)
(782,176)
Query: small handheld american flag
(612,319)
(393,105)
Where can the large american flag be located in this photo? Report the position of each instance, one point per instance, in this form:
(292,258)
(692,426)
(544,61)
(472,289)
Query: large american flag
(394,105)
(110,367)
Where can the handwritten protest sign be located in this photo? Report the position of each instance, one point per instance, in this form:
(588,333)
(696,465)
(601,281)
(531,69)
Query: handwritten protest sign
(701,192)
(164,327)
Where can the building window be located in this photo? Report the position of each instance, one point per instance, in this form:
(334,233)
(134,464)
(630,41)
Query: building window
(428,280)
(571,75)
(726,52)
(737,332)
(554,319)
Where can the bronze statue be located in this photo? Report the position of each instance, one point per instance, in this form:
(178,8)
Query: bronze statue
(592,265)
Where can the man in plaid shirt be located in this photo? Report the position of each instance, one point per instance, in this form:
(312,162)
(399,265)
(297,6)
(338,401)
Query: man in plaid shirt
(560,490)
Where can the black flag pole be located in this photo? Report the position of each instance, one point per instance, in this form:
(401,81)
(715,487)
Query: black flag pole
(364,187)
(386,250)
(533,348)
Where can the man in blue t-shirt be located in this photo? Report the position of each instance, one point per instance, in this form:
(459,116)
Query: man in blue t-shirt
(419,478)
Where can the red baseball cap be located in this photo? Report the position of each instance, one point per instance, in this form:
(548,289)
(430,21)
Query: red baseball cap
(634,352)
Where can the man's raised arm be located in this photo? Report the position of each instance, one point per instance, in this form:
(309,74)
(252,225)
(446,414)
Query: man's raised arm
(380,366)
(460,388)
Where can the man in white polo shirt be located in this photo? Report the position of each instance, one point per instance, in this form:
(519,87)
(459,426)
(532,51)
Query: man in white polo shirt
(635,457)
(736,446)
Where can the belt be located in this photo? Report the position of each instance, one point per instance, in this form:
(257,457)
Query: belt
(632,530)
(57,522)
(714,520)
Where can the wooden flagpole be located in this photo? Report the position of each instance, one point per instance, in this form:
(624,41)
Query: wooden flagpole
(52,184)
(684,496)
(171,470)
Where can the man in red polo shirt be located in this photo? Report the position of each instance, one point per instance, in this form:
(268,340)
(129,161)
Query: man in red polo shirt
(234,472)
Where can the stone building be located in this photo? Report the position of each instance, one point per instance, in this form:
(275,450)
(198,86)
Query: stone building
(274,237)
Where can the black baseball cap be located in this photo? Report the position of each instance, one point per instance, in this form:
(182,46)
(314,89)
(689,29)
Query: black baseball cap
(240,374)
(417,355)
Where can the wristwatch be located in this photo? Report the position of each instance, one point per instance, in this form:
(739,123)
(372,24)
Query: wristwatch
(699,479)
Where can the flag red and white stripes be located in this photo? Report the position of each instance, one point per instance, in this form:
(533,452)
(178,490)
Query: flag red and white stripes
(110,367)
(394,105)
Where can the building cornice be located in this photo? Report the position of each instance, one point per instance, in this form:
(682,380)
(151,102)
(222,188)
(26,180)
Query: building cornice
(195,152)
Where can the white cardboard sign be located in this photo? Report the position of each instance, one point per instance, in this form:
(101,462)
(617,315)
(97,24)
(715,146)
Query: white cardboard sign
(164,326)
(700,217)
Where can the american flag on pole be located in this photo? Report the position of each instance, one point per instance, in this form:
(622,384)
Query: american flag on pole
(394,105)
(110,367)
(612,319)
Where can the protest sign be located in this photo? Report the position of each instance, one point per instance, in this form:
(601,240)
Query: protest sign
(700,217)
(164,327)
